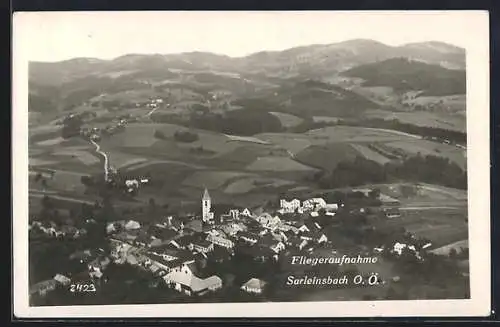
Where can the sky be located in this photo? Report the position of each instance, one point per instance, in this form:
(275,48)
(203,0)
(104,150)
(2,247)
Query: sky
(55,36)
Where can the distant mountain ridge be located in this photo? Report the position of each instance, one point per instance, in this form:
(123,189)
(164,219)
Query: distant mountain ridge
(309,60)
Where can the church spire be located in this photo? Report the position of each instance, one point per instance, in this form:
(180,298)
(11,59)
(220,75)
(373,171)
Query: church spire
(206,196)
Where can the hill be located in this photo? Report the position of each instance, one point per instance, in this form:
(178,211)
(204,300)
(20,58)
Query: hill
(307,98)
(403,74)
(317,60)
(308,61)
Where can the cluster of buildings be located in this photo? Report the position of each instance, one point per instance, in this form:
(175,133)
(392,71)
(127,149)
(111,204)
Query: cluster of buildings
(312,206)
(95,133)
(134,184)
(51,229)
(178,249)
(152,104)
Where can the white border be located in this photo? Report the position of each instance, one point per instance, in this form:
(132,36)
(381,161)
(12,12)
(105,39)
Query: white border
(479,211)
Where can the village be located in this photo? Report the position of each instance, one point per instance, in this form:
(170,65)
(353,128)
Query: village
(180,252)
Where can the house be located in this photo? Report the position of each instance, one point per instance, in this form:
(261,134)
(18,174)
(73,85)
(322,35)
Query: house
(125,237)
(288,229)
(100,263)
(392,213)
(297,242)
(195,225)
(183,279)
(304,228)
(61,279)
(167,235)
(313,226)
(246,212)
(220,239)
(69,230)
(248,237)
(313,204)
(132,225)
(174,224)
(316,236)
(42,288)
(183,242)
(269,221)
(331,207)
(289,206)
(234,213)
(225,218)
(118,250)
(272,243)
(167,251)
(203,246)
(232,228)
(279,236)
(155,263)
(254,285)
(278,247)
(142,240)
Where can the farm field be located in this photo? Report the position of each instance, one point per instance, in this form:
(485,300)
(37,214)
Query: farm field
(440,226)
(246,139)
(357,134)
(135,135)
(277,164)
(119,159)
(327,156)
(246,185)
(325,119)
(370,154)
(84,156)
(62,181)
(127,96)
(451,103)
(291,142)
(212,179)
(41,162)
(425,147)
(50,142)
(243,154)
(287,120)
(445,250)
(422,118)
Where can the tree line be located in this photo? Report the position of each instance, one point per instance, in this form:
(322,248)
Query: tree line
(418,168)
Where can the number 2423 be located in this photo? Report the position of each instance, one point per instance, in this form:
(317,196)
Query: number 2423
(77,288)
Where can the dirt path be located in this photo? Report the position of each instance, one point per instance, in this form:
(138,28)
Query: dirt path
(105,156)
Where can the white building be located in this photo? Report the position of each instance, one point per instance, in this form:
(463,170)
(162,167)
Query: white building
(254,285)
(289,206)
(183,280)
(132,225)
(206,207)
(314,204)
(268,221)
(234,213)
(246,212)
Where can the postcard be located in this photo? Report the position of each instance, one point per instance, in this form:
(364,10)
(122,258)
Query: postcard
(251,164)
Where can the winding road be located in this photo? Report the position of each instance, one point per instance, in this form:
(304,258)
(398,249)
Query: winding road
(106,160)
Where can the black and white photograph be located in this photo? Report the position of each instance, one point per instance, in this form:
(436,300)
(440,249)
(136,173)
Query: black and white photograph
(286,160)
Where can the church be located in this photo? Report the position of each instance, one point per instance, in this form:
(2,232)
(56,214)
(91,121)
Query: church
(206,206)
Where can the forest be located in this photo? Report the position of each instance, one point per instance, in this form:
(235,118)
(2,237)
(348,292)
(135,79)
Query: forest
(418,168)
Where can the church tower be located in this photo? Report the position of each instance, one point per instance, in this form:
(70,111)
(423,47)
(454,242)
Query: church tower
(206,206)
